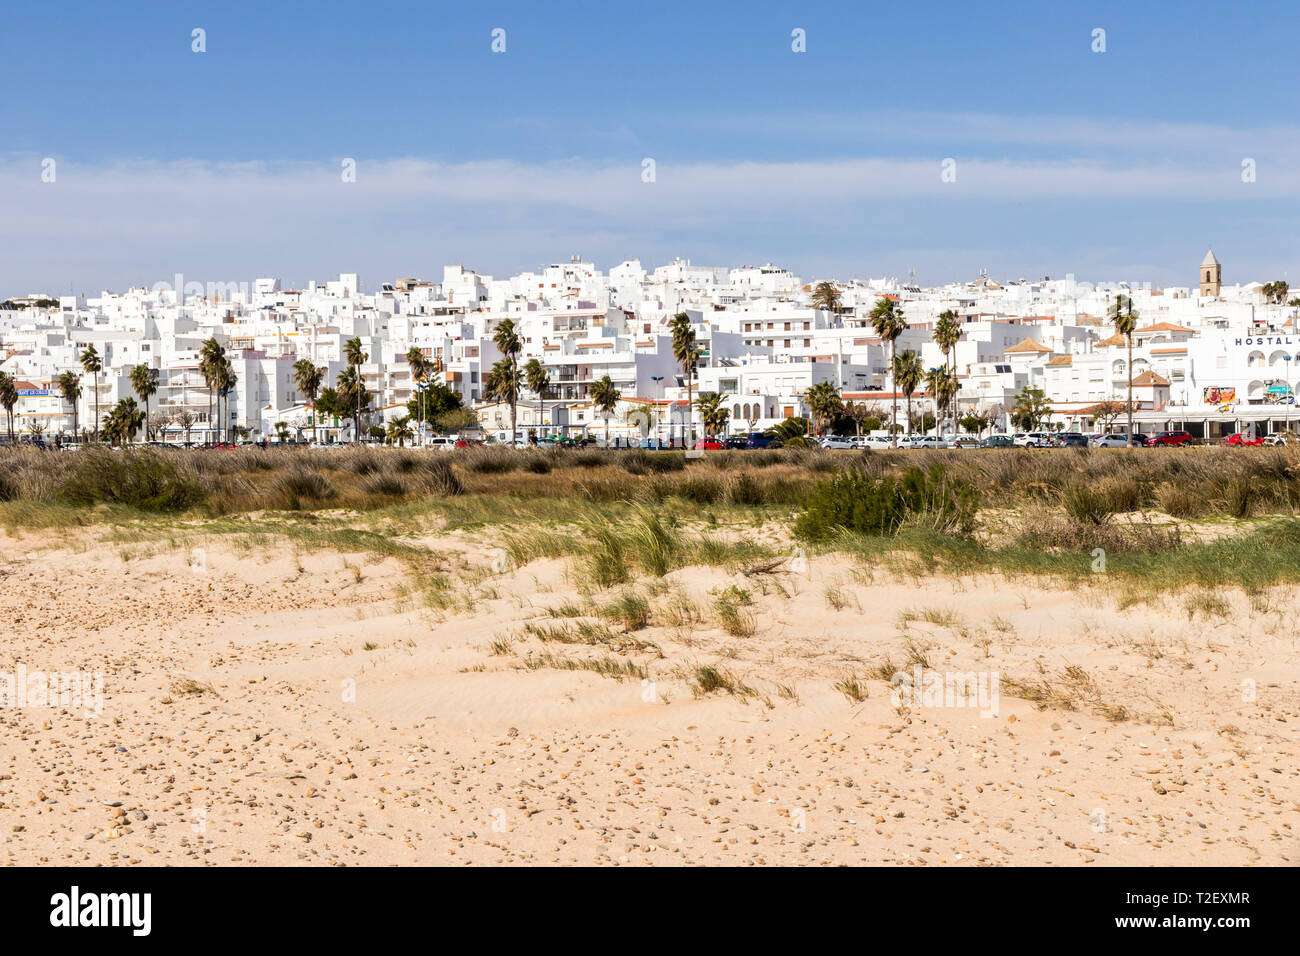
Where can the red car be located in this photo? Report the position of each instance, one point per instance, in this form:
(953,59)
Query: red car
(1243,439)
(1170,438)
(709,444)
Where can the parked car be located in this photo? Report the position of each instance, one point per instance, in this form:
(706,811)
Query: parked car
(1241,438)
(764,441)
(1070,440)
(1174,439)
(926,441)
(835,441)
(1119,440)
(998,440)
(737,441)
(654,444)
(468,443)
(965,441)
(1281,438)
(709,444)
(442,443)
(1032,440)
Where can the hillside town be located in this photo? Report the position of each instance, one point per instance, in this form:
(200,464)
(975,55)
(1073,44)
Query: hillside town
(600,354)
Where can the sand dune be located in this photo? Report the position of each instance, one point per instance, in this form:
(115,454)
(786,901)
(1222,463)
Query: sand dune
(350,722)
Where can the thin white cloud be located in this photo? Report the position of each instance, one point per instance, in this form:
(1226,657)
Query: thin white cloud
(142,220)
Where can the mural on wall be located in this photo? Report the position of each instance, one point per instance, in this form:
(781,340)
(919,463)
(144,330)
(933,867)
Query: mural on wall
(1219,395)
(1278,392)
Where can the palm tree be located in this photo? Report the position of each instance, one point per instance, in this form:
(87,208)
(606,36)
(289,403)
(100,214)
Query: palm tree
(93,365)
(824,402)
(355,357)
(687,354)
(8,399)
(420,367)
(226,381)
(70,390)
(211,358)
(713,413)
(1125,321)
(502,384)
(123,421)
(826,296)
(887,321)
(947,333)
(539,382)
(907,373)
(506,337)
(399,430)
(943,386)
(605,397)
(351,392)
(309,376)
(144,385)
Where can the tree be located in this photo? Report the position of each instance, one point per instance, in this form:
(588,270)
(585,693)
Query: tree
(790,428)
(1125,321)
(857,413)
(211,359)
(328,402)
(308,377)
(355,356)
(123,421)
(942,384)
(539,383)
(70,391)
(455,419)
(8,399)
(824,403)
(92,364)
(502,384)
(1105,413)
(605,397)
(226,380)
(826,296)
(947,333)
(435,401)
(353,396)
(506,338)
(399,430)
(144,385)
(921,422)
(907,374)
(185,419)
(1031,408)
(713,413)
(686,353)
(887,321)
(1275,292)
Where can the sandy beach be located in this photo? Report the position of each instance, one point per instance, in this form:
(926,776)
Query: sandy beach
(265,704)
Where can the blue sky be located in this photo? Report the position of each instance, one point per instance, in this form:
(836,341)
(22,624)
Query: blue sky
(224,165)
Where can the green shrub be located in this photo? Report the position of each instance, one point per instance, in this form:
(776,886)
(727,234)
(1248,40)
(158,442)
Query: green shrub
(854,501)
(138,479)
(1086,503)
(302,482)
(438,477)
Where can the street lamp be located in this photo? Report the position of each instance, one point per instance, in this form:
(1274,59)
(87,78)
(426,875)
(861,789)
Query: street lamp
(1290,396)
(659,397)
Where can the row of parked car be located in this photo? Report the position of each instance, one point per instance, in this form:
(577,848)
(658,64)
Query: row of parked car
(1173,439)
